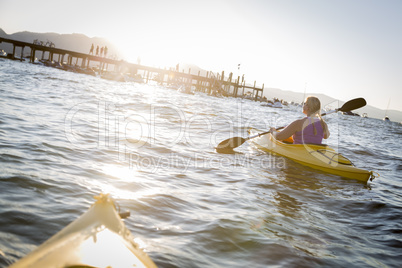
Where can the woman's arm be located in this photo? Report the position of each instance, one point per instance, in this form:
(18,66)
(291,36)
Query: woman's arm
(287,131)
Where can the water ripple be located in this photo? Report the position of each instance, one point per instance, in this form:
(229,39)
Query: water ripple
(65,137)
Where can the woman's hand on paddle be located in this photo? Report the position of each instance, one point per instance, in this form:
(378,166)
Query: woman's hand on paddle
(272,130)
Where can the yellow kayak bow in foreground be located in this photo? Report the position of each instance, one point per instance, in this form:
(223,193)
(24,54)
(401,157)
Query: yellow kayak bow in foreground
(98,238)
(321,157)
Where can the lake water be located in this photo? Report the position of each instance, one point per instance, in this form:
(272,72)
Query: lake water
(65,137)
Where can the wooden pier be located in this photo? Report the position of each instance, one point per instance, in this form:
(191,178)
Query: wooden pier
(210,83)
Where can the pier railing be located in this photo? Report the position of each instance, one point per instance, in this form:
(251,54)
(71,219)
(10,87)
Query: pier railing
(210,83)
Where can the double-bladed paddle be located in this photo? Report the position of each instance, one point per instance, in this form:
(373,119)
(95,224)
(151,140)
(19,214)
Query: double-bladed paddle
(231,143)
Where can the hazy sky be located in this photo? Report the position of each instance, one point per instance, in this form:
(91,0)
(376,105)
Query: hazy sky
(342,48)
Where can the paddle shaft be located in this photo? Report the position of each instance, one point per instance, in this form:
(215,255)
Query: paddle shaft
(348,106)
(264,133)
(232,143)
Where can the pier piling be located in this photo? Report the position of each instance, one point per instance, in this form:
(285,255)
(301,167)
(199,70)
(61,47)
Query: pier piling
(208,83)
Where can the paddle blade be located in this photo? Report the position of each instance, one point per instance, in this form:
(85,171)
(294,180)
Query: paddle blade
(353,105)
(230,143)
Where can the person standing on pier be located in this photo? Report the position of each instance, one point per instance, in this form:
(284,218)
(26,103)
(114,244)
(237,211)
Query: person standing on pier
(101,52)
(97,50)
(92,50)
(105,51)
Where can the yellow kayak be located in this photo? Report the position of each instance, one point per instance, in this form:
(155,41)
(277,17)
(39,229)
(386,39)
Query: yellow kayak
(321,157)
(98,238)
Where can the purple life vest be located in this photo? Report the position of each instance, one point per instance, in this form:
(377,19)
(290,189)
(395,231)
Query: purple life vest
(307,134)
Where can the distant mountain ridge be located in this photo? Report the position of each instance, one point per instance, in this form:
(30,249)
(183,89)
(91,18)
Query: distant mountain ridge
(82,43)
(75,42)
(331,103)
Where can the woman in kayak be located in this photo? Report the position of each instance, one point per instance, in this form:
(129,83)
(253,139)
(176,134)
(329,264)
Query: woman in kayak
(311,129)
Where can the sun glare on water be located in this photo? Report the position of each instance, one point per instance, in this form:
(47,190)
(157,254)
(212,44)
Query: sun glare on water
(141,186)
